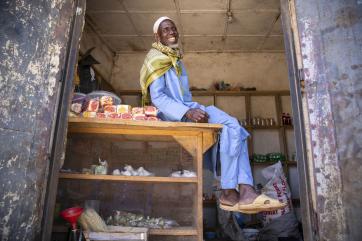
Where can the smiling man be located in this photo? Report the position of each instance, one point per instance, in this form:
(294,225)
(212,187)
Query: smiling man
(164,83)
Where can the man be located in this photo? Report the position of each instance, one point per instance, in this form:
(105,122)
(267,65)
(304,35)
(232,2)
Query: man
(164,82)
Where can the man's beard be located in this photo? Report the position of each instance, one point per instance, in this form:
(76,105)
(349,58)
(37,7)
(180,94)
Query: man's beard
(173,46)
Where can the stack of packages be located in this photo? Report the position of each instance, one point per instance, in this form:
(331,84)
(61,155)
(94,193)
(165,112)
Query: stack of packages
(104,107)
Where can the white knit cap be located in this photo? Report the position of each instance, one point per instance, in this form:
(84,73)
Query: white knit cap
(158,22)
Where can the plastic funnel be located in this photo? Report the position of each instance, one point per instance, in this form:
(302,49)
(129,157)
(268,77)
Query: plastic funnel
(71,215)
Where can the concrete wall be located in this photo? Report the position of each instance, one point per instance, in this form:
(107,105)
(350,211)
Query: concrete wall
(265,71)
(101,53)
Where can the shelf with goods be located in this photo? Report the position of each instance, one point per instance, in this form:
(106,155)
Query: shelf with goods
(177,231)
(76,176)
(243,108)
(245,105)
(159,195)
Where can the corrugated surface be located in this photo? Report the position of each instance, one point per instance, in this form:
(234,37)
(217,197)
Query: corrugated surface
(33,42)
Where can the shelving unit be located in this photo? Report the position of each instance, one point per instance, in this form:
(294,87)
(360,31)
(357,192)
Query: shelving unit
(246,103)
(193,138)
(247,96)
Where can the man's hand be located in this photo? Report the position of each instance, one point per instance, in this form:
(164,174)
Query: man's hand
(197,115)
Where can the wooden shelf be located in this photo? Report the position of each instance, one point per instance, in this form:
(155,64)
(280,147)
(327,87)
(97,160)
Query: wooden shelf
(276,127)
(179,231)
(267,163)
(80,123)
(128,178)
(182,132)
(221,93)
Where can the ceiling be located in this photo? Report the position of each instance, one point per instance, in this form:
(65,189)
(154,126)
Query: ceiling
(204,25)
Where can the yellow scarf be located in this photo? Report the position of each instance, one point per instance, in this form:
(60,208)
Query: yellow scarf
(157,62)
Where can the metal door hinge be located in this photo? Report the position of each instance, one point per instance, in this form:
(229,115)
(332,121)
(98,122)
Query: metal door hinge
(301,76)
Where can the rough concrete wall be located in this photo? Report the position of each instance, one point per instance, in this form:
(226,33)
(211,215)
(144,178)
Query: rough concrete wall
(331,41)
(101,53)
(265,71)
(33,39)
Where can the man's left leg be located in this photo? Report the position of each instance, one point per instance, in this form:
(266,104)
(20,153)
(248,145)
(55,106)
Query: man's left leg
(234,169)
(247,192)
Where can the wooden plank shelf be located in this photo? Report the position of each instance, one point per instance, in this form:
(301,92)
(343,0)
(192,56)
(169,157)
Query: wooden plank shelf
(128,178)
(276,127)
(220,93)
(267,163)
(178,231)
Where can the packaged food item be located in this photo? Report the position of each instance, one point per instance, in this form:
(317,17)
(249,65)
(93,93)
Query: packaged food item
(106,100)
(76,108)
(113,115)
(93,105)
(139,117)
(110,109)
(101,115)
(126,116)
(137,110)
(100,93)
(89,114)
(152,118)
(150,110)
(124,109)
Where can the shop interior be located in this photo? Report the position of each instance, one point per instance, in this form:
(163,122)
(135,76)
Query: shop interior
(234,55)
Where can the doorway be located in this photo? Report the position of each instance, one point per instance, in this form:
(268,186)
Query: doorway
(206,48)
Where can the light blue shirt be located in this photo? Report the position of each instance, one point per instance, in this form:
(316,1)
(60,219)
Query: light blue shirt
(171,95)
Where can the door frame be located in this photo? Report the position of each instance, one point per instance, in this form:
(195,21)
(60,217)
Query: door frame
(59,132)
(60,126)
(295,75)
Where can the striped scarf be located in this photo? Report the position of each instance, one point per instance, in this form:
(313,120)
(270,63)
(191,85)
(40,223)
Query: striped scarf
(157,62)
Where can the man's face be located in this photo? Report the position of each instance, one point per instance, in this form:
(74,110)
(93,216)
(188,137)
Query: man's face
(167,34)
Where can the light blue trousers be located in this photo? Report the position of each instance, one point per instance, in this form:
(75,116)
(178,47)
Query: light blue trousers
(234,158)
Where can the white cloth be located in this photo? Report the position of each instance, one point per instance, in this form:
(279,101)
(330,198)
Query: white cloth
(158,22)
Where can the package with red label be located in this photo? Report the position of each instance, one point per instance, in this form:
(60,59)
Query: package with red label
(124,109)
(139,117)
(89,114)
(113,115)
(126,116)
(101,115)
(93,105)
(110,109)
(152,118)
(150,110)
(106,100)
(137,110)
